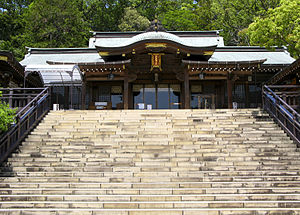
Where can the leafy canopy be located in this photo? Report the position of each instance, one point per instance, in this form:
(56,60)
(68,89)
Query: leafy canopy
(55,23)
(66,23)
(133,21)
(280,27)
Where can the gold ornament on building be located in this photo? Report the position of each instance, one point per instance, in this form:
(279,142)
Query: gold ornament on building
(156,61)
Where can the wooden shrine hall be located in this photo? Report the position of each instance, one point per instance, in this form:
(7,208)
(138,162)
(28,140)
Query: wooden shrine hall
(159,69)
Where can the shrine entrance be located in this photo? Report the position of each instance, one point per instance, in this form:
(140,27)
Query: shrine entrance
(156,96)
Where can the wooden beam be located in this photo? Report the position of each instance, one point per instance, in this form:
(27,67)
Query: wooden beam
(208,78)
(104,79)
(207,72)
(220,72)
(186,90)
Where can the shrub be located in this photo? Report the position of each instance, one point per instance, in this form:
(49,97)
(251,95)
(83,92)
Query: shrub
(7,116)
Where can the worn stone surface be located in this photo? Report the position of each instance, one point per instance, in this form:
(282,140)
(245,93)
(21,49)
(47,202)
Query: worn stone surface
(180,162)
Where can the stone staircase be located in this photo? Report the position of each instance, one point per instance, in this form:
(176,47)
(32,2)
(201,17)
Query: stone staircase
(133,162)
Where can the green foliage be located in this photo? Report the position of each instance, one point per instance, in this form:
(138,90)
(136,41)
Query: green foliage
(12,25)
(182,19)
(55,23)
(233,16)
(133,21)
(280,27)
(7,116)
(104,15)
(66,23)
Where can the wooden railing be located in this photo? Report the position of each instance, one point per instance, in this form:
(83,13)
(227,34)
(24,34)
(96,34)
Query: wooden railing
(288,93)
(19,97)
(282,112)
(26,119)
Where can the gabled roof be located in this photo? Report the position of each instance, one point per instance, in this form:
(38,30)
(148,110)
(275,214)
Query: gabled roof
(222,54)
(61,55)
(293,70)
(9,63)
(277,56)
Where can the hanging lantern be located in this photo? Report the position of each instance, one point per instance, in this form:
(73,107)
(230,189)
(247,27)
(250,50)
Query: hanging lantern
(156,61)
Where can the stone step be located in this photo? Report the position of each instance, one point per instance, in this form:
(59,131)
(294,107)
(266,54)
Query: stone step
(94,168)
(151,205)
(152,198)
(200,163)
(236,174)
(279,173)
(82,189)
(104,143)
(140,177)
(204,211)
(118,183)
(34,152)
(155,156)
(153,162)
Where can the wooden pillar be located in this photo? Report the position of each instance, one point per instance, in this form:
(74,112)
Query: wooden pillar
(182,96)
(66,97)
(10,101)
(186,90)
(83,95)
(222,94)
(130,97)
(229,92)
(126,93)
(247,103)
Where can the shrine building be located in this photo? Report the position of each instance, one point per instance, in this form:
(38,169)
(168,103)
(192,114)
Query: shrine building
(156,69)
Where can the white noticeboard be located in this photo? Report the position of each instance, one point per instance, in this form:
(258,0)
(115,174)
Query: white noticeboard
(149,107)
(234,105)
(100,103)
(55,107)
(141,106)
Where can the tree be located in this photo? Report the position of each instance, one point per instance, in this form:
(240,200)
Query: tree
(7,116)
(55,23)
(280,27)
(234,16)
(12,25)
(182,19)
(133,21)
(104,15)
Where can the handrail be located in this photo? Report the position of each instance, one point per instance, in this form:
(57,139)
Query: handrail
(282,112)
(281,86)
(2,89)
(27,118)
(19,97)
(281,100)
(31,102)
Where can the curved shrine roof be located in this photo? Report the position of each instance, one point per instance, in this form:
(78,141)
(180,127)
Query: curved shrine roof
(149,36)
